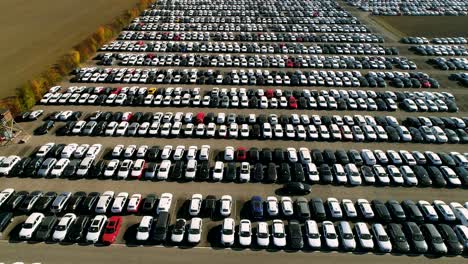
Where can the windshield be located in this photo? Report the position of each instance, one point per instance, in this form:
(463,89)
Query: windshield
(227,231)
(194,231)
(245,234)
(365,236)
(383,238)
(314,235)
(110,230)
(178,231)
(331,236)
(93,229)
(61,228)
(27,225)
(143,229)
(347,236)
(83,167)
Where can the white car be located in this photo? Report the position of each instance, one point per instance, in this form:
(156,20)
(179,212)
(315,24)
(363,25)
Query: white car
(339,173)
(8,163)
(450,175)
(263,234)
(104,202)
(428,210)
(228,153)
(166,152)
(335,208)
(178,230)
(124,169)
(129,151)
(287,206)
(84,167)
(381,174)
(462,234)
(365,208)
(329,233)
(292,155)
(44,149)
(218,171)
(63,226)
(165,202)
(349,208)
(134,203)
(95,229)
(381,238)
(346,236)
(195,204)
(312,234)
(192,152)
(111,168)
(204,152)
(179,153)
(245,233)
(144,228)
(395,174)
(164,168)
(226,205)
(5,195)
(94,150)
(81,151)
(278,233)
(352,172)
(68,151)
(191,170)
(444,210)
(408,175)
(227,232)
(30,225)
(244,172)
(119,202)
(272,205)
(141,151)
(363,236)
(59,167)
(117,151)
(195,230)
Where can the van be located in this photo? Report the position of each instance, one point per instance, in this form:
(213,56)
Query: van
(161,226)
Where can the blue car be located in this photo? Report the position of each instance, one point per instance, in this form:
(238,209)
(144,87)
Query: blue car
(256,206)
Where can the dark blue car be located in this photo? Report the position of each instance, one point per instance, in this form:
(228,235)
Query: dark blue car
(256,205)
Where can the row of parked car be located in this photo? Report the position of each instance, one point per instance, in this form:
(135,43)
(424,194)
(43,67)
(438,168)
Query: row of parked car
(242,47)
(440,50)
(267,61)
(414,8)
(254,77)
(460,64)
(424,40)
(272,129)
(461,78)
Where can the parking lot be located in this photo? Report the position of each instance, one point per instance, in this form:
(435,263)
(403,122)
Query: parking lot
(229,95)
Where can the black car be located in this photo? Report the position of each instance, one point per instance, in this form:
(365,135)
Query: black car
(204,171)
(296,188)
(20,167)
(355,157)
(367,174)
(317,157)
(70,169)
(90,202)
(329,156)
(30,200)
(97,170)
(271,175)
(422,175)
(254,155)
(210,205)
(149,203)
(302,210)
(231,171)
(412,211)
(297,173)
(381,211)
(450,239)
(317,209)
(438,179)
(296,240)
(33,166)
(179,170)
(462,174)
(397,238)
(45,228)
(278,155)
(5,220)
(56,151)
(267,155)
(325,173)
(66,129)
(257,172)
(78,228)
(45,127)
(153,153)
(75,202)
(415,237)
(341,156)
(447,159)
(284,174)
(396,210)
(16,200)
(42,205)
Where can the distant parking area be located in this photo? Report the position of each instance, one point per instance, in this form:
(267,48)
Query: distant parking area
(46,30)
(426,26)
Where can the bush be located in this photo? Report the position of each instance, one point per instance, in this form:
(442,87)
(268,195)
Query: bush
(34,89)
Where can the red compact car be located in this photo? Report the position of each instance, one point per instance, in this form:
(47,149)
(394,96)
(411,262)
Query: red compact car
(112,230)
(269,93)
(241,154)
(292,102)
(199,119)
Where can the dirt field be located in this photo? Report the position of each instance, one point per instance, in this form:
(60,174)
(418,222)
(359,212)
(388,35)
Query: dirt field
(447,26)
(35,33)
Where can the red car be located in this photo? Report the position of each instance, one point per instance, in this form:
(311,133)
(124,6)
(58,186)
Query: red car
(289,64)
(292,102)
(426,84)
(112,230)
(116,90)
(200,118)
(269,93)
(241,154)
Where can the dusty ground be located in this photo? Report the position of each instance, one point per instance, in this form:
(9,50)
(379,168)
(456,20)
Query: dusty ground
(447,26)
(36,33)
